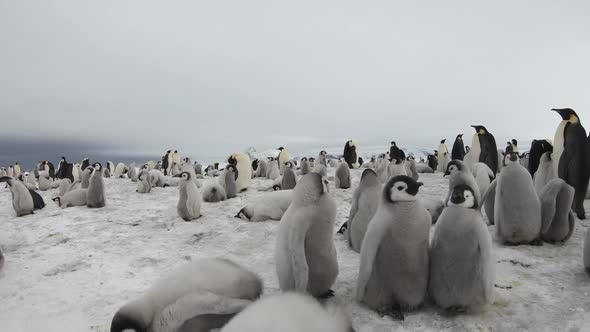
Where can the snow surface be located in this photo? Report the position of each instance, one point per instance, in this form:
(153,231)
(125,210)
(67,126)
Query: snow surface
(71,269)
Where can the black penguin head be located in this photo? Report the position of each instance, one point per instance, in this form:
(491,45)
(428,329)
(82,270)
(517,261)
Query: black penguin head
(454,166)
(410,158)
(175,151)
(467,149)
(230,168)
(514,142)
(567,114)
(460,136)
(281,148)
(393,143)
(276,187)
(289,164)
(401,188)
(232,160)
(97,166)
(184,176)
(323,152)
(244,213)
(57,200)
(463,195)
(311,159)
(304,159)
(443,141)
(124,320)
(480,129)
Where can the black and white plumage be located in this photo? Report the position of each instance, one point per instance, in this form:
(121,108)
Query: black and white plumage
(458,150)
(484,148)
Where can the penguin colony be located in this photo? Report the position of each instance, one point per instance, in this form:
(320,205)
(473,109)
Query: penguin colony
(528,198)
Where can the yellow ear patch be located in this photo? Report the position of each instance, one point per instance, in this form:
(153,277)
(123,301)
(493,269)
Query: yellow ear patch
(573,119)
(481,132)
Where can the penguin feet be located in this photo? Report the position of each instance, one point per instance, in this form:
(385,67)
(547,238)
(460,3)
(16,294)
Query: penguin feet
(343,228)
(581,214)
(536,242)
(326,295)
(391,311)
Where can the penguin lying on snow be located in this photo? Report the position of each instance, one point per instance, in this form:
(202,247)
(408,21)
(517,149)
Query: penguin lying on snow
(214,193)
(271,206)
(289,312)
(199,296)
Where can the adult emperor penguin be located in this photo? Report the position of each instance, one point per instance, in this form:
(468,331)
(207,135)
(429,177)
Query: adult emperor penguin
(110,167)
(458,151)
(242,164)
(198,296)
(393,274)
(511,146)
(290,312)
(189,202)
(144,181)
(461,265)
(442,150)
(544,172)
(282,158)
(17,170)
(342,176)
(96,196)
(165,162)
(121,170)
(484,149)
(517,208)
(350,154)
(10,171)
(289,177)
(395,151)
(76,171)
(558,220)
(271,206)
(365,201)
(230,175)
(22,201)
(305,255)
(85,163)
(538,149)
(571,156)
(304,167)
(65,170)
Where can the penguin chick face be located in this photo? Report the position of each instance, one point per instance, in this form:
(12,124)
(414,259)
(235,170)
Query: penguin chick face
(511,158)
(454,166)
(463,196)
(232,160)
(401,188)
(289,164)
(323,153)
(310,188)
(97,167)
(245,213)
(185,176)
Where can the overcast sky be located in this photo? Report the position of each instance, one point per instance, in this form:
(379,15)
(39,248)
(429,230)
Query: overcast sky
(212,77)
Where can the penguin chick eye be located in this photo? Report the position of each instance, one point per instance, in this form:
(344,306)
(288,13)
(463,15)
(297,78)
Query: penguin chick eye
(400,188)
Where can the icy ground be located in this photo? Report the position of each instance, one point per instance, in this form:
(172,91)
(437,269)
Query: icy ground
(70,270)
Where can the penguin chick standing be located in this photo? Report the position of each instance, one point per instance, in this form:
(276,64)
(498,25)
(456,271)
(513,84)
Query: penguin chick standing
(144,182)
(544,172)
(305,255)
(199,296)
(189,202)
(289,177)
(557,217)
(304,168)
(342,176)
(22,201)
(461,265)
(96,197)
(229,181)
(244,168)
(393,275)
(365,201)
(350,154)
(459,174)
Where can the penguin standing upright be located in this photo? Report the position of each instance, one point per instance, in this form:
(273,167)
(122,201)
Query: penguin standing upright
(432,162)
(96,197)
(65,170)
(395,151)
(538,148)
(350,154)
(17,170)
(442,152)
(244,168)
(458,152)
(484,148)
(289,179)
(22,201)
(85,163)
(571,156)
(283,158)
(189,202)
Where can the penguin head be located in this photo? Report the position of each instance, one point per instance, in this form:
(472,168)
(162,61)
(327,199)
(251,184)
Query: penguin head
(511,158)
(514,142)
(323,153)
(281,148)
(232,160)
(311,159)
(184,176)
(97,167)
(463,196)
(129,317)
(443,141)
(395,160)
(410,158)
(567,114)
(467,149)
(310,188)
(460,137)
(454,166)
(479,129)
(57,200)
(289,164)
(245,213)
(304,159)
(393,143)
(401,188)
(276,187)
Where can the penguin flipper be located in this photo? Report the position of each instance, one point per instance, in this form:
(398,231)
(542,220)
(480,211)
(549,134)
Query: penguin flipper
(371,243)
(198,303)
(296,246)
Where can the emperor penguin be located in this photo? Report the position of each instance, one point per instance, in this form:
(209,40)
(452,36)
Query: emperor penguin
(517,208)
(157,178)
(434,206)
(173,157)
(96,196)
(106,173)
(198,168)
(333,163)
(305,255)
(304,168)
(461,265)
(213,193)
(483,177)
(411,169)
(133,172)
(289,177)
(395,168)
(558,220)
(459,174)
(271,206)
(571,156)
(44,181)
(350,154)
(538,149)
(442,150)
(64,186)
(511,146)
(85,177)
(458,151)
(174,169)
(64,170)
(10,171)
(85,163)
(189,202)
(230,175)
(198,296)
(273,171)
(365,201)
(396,152)
(76,172)
(144,181)
(544,172)
(121,170)
(282,158)
(3,172)
(76,197)
(22,201)
(432,162)
(165,159)
(393,274)
(17,170)
(322,159)
(289,312)
(110,167)
(484,148)
(342,176)
(242,164)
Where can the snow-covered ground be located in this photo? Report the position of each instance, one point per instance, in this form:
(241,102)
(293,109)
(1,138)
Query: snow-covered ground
(71,269)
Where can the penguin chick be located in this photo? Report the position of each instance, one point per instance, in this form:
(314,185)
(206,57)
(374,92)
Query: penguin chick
(271,206)
(189,202)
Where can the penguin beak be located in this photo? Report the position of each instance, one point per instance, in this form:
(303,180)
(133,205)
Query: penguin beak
(176,176)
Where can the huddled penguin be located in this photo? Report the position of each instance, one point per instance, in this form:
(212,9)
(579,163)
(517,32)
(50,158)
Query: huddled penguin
(342,176)
(484,148)
(45,182)
(350,154)
(242,164)
(396,152)
(304,168)
(517,208)
(289,312)
(96,197)
(393,274)
(458,151)
(432,162)
(558,220)
(230,175)
(144,181)
(76,197)
(538,149)
(365,201)
(571,156)
(270,206)
(461,265)
(199,296)
(289,179)
(189,202)
(442,156)
(305,255)
(282,158)
(133,172)
(22,201)
(121,170)
(214,193)
(544,172)
(65,170)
